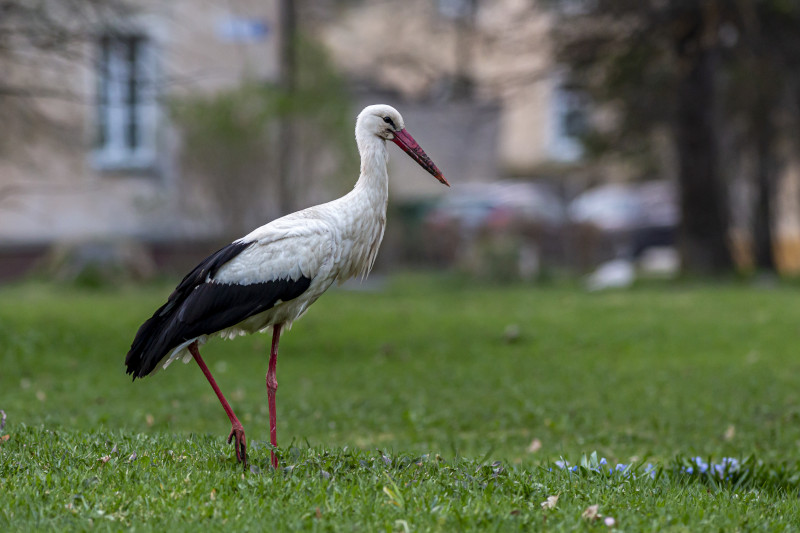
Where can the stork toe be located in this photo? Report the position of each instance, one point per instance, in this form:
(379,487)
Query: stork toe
(237,434)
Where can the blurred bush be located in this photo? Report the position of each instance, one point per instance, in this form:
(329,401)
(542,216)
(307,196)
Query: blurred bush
(98,263)
(260,150)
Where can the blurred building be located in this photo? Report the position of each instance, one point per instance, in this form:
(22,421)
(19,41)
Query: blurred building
(476,84)
(99,158)
(445,53)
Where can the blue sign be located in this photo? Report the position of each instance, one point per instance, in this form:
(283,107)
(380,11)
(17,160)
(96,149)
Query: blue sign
(242,30)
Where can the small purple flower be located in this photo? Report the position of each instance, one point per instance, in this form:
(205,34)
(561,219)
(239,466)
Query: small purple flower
(727,465)
(702,466)
(724,469)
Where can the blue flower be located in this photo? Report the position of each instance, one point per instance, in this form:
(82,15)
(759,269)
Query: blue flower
(724,469)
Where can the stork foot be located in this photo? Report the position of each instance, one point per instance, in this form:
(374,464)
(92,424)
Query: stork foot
(237,433)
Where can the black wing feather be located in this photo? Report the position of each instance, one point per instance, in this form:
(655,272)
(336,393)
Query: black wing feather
(200,306)
(208,267)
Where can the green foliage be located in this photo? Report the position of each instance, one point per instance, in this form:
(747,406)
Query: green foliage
(242,113)
(631,56)
(228,119)
(230,138)
(410,408)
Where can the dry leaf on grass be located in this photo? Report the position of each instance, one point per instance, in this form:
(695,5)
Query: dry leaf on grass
(591,513)
(730,433)
(550,502)
(535,446)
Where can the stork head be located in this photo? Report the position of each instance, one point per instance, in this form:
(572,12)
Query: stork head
(385,122)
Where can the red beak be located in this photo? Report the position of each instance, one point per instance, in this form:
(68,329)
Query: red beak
(405,141)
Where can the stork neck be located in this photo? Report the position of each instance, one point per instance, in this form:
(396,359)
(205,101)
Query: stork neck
(374,177)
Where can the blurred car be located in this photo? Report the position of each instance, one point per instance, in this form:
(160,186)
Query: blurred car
(495,205)
(633,217)
(614,207)
(527,215)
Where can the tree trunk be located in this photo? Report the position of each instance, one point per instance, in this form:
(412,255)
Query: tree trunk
(763,249)
(762,96)
(703,239)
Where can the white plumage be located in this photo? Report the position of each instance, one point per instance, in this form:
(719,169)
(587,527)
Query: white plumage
(268,278)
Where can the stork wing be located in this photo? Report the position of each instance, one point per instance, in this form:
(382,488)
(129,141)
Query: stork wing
(247,277)
(288,248)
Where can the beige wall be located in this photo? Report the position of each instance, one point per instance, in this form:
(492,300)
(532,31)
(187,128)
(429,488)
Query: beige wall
(53,190)
(411,50)
(49,187)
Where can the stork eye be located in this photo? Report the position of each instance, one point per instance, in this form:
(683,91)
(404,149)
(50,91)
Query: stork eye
(388,120)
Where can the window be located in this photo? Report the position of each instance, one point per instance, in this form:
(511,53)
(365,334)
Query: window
(127,109)
(569,123)
(575,7)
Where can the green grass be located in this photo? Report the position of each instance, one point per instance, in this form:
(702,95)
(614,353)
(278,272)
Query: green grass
(413,407)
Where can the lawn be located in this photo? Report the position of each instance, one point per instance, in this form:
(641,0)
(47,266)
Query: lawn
(426,405)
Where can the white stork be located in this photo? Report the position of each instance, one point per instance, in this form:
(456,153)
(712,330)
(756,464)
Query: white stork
(269,277)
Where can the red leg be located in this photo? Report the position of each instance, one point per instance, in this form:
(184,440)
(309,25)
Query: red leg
(272,387)
(237,431)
